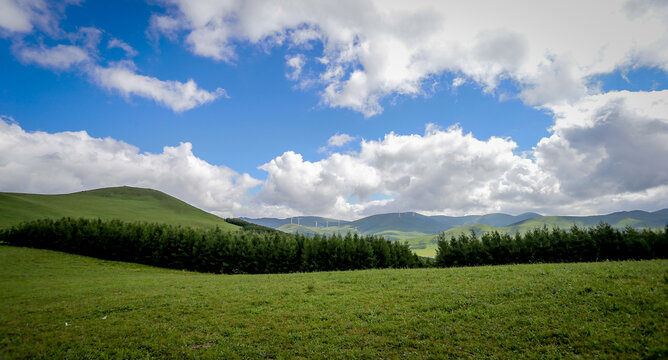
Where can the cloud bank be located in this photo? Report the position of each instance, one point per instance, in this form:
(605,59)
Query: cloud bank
(605,153)
(374,49)
(602,156)
(65,162)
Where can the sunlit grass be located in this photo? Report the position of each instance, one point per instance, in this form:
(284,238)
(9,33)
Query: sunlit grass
(597,310)
(122,203)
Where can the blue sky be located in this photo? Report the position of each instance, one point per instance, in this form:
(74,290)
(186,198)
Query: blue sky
(460,124)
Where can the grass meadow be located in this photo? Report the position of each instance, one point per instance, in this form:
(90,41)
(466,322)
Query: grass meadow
(56,305)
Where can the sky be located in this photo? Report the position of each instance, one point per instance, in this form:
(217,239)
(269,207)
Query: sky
(342,108)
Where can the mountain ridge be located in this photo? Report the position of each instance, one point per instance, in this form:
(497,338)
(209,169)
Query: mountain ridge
(420,231)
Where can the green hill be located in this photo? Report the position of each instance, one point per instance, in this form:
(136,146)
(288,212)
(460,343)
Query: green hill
(496,219)
(311,230)
(307,221)
(404,222)
(420,231)
(636,218)
(123,203)
(426,245)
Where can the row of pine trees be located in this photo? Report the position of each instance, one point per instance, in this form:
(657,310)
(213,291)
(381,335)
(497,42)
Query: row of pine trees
(602,242)
(257,250)
(212,251)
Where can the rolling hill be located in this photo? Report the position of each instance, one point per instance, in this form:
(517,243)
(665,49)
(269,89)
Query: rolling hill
(496,219)
(420,231)
(123,203)
(426,245)
(408,222)
(308,221)
(636,218)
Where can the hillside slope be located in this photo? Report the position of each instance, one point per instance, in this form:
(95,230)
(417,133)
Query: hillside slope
(123,203)
(308,221)
(426,245)
(496,219)
(57,306)
(636,218)
(404,222)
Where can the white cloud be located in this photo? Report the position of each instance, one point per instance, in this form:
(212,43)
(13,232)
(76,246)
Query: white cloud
(117,43)
(339,139)
(608,144)
(121,77)
(73,161)
(82,55)
(372,49)
(605,154)
(13,18)
(457,82)
(59,57)
(442,171)
(176,95)
(336,140)
(164,25)
(295,63)
(23,16)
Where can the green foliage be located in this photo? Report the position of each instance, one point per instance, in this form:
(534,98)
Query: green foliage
(209,250)
(602,242)
(248,226)
(113,310)
(122,203)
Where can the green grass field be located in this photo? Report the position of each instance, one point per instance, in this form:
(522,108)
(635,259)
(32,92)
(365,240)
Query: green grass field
(55,305)
(123,203)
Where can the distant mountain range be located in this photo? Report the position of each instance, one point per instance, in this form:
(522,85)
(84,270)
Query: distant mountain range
(404,222)
(135,204)
(414,222)
(420,230)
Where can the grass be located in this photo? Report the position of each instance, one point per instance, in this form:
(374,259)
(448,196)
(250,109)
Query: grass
(124,203)
(610,310)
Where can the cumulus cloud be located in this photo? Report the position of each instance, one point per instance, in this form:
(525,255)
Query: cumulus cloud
(604,154)
(444,171)
(608,144)
(176,95)
(373,49)
(73,161)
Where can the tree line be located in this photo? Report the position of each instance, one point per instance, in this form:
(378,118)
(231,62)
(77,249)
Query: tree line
(213,250)
(602,242)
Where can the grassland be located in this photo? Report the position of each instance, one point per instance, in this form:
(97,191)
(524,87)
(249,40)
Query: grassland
(55,305)
(123,203)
